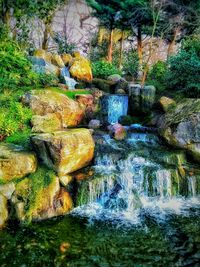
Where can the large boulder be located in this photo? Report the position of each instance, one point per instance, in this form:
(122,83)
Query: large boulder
(67,59)
(57,61)
(141,98)
(47,123)
(41,53)
(43,102)
(3,210)
(65,151)
(181,126)
(80,69)
(15,162)
(37,200)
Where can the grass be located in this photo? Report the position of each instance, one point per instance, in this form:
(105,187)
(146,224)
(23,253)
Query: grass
(70,93)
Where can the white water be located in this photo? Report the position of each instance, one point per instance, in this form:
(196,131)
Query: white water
(125,188)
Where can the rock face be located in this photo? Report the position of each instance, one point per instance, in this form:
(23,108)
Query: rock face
(181,126)
(15,162)
(80,69)
(47,123)
(65,152)
(43,102)
(141,98)
(3,211)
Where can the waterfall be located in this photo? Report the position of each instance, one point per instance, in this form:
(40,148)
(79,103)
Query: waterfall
(139,175)
(113,107)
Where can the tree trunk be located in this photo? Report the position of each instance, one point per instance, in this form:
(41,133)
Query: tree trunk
(110,47)
(121,51)
(170,50)
(139,45)
(47,32)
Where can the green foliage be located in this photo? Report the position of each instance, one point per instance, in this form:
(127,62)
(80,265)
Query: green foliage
(63,45)
(103,69)
(16,69)
(184,70)
(131,63)
(42,179)
(157,75)
(14,119)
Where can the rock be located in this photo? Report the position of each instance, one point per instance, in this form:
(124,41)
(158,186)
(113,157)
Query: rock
(120,92)
(41,53)
(3,211)
(43,102)
(66,151)
(141,98)
(7,190)
(94,124)
(166,103)
(85,99)
(65,180)
(117,131)
(114,78)
(38,200)
(38,64)
(15,162)
(63,203)
(180,127)
(48,123)
(104,85)
(52,69)
(87,102)
(67,59)
(57,61)
(80,69)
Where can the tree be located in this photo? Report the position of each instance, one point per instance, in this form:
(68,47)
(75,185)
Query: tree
(137,15)
(106,12)
(180,18)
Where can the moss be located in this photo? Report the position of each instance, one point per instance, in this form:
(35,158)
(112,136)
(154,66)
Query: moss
(34,191)
(70,94)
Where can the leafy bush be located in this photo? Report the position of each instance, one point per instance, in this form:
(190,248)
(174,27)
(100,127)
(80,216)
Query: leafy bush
(16,69)
(103,69)
(157,75)
(14,119)
(131,64)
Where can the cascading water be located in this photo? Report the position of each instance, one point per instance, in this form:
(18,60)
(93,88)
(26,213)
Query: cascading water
(113,107)
(135,175)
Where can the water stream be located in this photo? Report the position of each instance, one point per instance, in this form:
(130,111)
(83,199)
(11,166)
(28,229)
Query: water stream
(140,208)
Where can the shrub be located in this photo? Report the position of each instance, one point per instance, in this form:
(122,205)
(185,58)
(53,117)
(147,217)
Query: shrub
(14,120)
(16,69)
(103,69)
(184,73)
(157,75)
